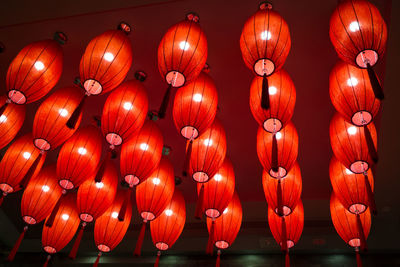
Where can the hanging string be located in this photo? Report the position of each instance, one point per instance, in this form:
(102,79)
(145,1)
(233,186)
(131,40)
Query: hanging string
(157,259)
(75,247)
(139,242)
(50,220)
(102,167)
(218,261)
(287,258)
(274,156)
(358,257)
(199,206)
(361,233)
(186,163)
(284,235)
(30,173)
(376,86)
(370,194)
(279,195)
(47,260)
(124,206)
(265,102)
(14,250)
(164,104)
(3,195)
(210,243)
(370,144)
(96,263)
(71,123)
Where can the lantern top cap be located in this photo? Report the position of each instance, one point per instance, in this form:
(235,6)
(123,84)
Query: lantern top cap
(60,38)
(265,5)
(140,75)
(125,27)
(192,16)
(206,68)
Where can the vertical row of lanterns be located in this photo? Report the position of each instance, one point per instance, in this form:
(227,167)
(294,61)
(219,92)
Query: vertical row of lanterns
(358,34)
(265,43)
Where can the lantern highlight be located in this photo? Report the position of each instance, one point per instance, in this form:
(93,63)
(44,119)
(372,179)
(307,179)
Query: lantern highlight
(11,120)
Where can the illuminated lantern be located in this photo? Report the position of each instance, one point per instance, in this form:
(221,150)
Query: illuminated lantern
(265,44)
(104,65)
(20,162)
(153,196)
(287,230)
(38,199)
(79,157)
(223,230)
(282,98)
(277,152)
(63,228)
(108,230)
(125,111)
(141,154)
(167,228)
(352,228)
(358,33)
(11,121)
(352,94)
(182,54)
(283,194)
(208,153)
(49,130)
(215,195)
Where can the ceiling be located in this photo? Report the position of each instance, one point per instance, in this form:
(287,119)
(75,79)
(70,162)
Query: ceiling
(309,63)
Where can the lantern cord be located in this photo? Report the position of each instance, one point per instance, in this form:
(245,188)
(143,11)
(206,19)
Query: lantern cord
(265,103)
(210,243)
(71,123)
(187,158)
(96,263)
(284,235)
(361,233)
(3,195)
(280,197)
(199,206)
(358,257)
(370,144)
(218,262)
(4,106)
(14,250)
(287,258)
(47,261)
(274,156)
(157,259)
(30,173)
(164,103)
(50,219)
(139,242)
(74,250)
(371,198)
(124,206)
(102,167)
(376,86)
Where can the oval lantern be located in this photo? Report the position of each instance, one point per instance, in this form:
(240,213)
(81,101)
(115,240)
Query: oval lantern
(20,162)
(11,121)
(224,229)
(359,34)
(282,99)
(125,111)
(352,94)
(108,230)
(141,154)
(153,196)
(208,153)
(167,228)
(182,54)
(283,194)
(64,226)
(352,228)
(79,157)
(277,152)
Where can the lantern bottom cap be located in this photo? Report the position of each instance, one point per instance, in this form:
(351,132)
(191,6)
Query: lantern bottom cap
(93,87)
(17,96)
(66,184)
(50,249)
(289,243)
(175,78)
(212,213)
(361,118)
(359,166)
(281,173)
(29,219)
(355,242)
(286,211)
(221,244)
(114,139)
(272,125)
(6,188)
(147,215)
(200,177)
(132,180)
(103,248)
(189,132)
(357,208)
(41,144)
(86,217)
(162,246)
(264,65)
(367,55)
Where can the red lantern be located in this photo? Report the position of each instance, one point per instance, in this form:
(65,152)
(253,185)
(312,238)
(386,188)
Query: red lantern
(283,194)
(141,154)
(208,153)
(125,111)
(11,121)
(79,157)
(354,146)
(49,130)
(153,196)
(277,152)
(182,54)
(282,98)
(108,230)
(352,95)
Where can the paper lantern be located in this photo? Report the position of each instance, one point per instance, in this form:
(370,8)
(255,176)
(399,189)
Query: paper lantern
(277,152)
(11,121)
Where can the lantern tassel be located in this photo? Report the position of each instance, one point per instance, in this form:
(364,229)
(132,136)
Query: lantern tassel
(102,168)
(14,250)
(3,195)
(284,235)
(47,261)
(164,103)
(124,206)
(361,233)
(265,104)
(74,250)
(210,243)
(371,146)
(157,259)
(274,156)
(187,158)
(4,106)
(139,242)
(30,173)
(358,257)
(199,206)
(50,220)
(218,261)
(376,86)
(71,123)
(287,258)
(279,197)
(96,263)
(371,198)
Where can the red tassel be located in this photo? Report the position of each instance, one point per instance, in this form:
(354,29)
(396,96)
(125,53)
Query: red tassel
(29,175)
(14,250)
(265,104)
(164,103)
(71,123)
(371,198)
(358,257)
(3,195)
(376,86)
(124,206)
(102,167)
(280,198)
(187,159)
(157,259)
(4,106)
(47,261)
(74,250)
(370,143)
(287,258)
(218,262)
(210,243)
(274,156)
(139,242)
(199,207)
(284,235)
(50,220)
(96,263)
(361,233)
